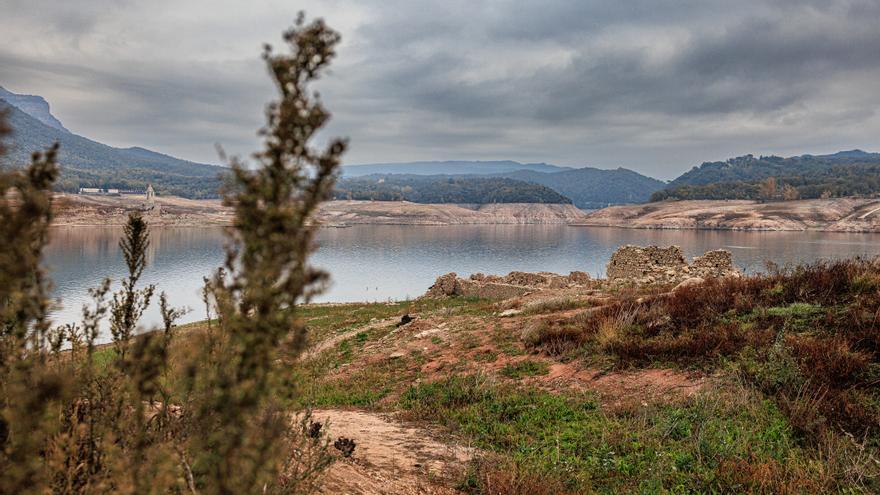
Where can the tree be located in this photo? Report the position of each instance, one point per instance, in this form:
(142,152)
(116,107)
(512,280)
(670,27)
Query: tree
(790,193)
(768,189)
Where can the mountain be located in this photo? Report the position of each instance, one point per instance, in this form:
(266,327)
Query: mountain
(586,187)
(87,163)
(35,106)
(845,173)
(447,168)
(593,187)
(464,189)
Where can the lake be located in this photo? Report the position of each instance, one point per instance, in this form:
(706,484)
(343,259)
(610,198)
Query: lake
(383,262)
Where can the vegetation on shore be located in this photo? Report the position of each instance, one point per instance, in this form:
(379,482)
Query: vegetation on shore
(790,359)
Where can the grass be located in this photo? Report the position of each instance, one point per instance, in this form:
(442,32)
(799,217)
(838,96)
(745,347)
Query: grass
(808,337)
(522,369)
(554,305)
(794,406)
(726,442)
(325,320)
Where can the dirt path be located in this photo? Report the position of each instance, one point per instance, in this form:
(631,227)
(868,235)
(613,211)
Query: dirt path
(390,457)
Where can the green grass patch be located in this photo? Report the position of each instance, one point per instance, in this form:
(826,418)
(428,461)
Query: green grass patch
(708,445)
(525,368)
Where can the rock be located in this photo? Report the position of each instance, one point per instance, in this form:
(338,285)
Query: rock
(445,286)
(525,278)
(345,446)
(510,312)
(689,282)
(579,278)
(404,320)
(531,334)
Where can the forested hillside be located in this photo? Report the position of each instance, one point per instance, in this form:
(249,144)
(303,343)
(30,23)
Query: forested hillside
(87,163)
(848,173)
(593,187)
(445,189)
(586,187)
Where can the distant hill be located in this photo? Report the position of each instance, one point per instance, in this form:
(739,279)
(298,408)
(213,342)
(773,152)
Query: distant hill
(586,187)
(447,168)
(432,189)
(845,173)
(593,187)
(87,163)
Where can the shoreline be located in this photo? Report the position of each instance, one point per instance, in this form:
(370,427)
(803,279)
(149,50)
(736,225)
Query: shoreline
(72,210)
(840,215)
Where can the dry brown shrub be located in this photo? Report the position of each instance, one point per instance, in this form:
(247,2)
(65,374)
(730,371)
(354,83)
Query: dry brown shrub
(509,478)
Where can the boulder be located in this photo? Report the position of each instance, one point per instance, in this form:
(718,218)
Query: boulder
(445,286)
(579,278)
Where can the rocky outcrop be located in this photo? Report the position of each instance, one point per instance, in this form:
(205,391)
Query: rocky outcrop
(666,265)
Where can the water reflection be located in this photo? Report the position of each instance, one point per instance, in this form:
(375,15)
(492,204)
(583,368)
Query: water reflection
(370,263)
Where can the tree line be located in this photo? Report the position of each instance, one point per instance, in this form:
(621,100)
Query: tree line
(445,189)
(834,182)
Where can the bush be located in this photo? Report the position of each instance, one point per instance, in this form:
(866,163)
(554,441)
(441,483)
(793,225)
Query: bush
(211,417)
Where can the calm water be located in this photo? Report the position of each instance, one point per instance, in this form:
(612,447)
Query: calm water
(378,263)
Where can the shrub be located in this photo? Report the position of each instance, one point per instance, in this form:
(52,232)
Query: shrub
(213,418)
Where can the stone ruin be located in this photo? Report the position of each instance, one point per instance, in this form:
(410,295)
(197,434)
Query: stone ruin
(511,285)
(654,264)
(629,264)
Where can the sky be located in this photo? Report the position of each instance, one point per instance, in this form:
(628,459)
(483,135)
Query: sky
(657,86)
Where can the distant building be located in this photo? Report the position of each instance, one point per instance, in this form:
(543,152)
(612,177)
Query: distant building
(98,191)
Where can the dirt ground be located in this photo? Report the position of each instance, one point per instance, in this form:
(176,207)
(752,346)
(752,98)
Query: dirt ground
(390,457)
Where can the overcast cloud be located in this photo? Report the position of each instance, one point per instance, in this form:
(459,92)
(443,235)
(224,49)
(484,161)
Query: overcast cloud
(656,86)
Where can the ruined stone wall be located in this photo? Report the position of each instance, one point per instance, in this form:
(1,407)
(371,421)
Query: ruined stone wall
(635,262)
(717,263)
(653,264)
(511,285)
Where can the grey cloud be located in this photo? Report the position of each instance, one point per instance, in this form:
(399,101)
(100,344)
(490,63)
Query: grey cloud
(656,86)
